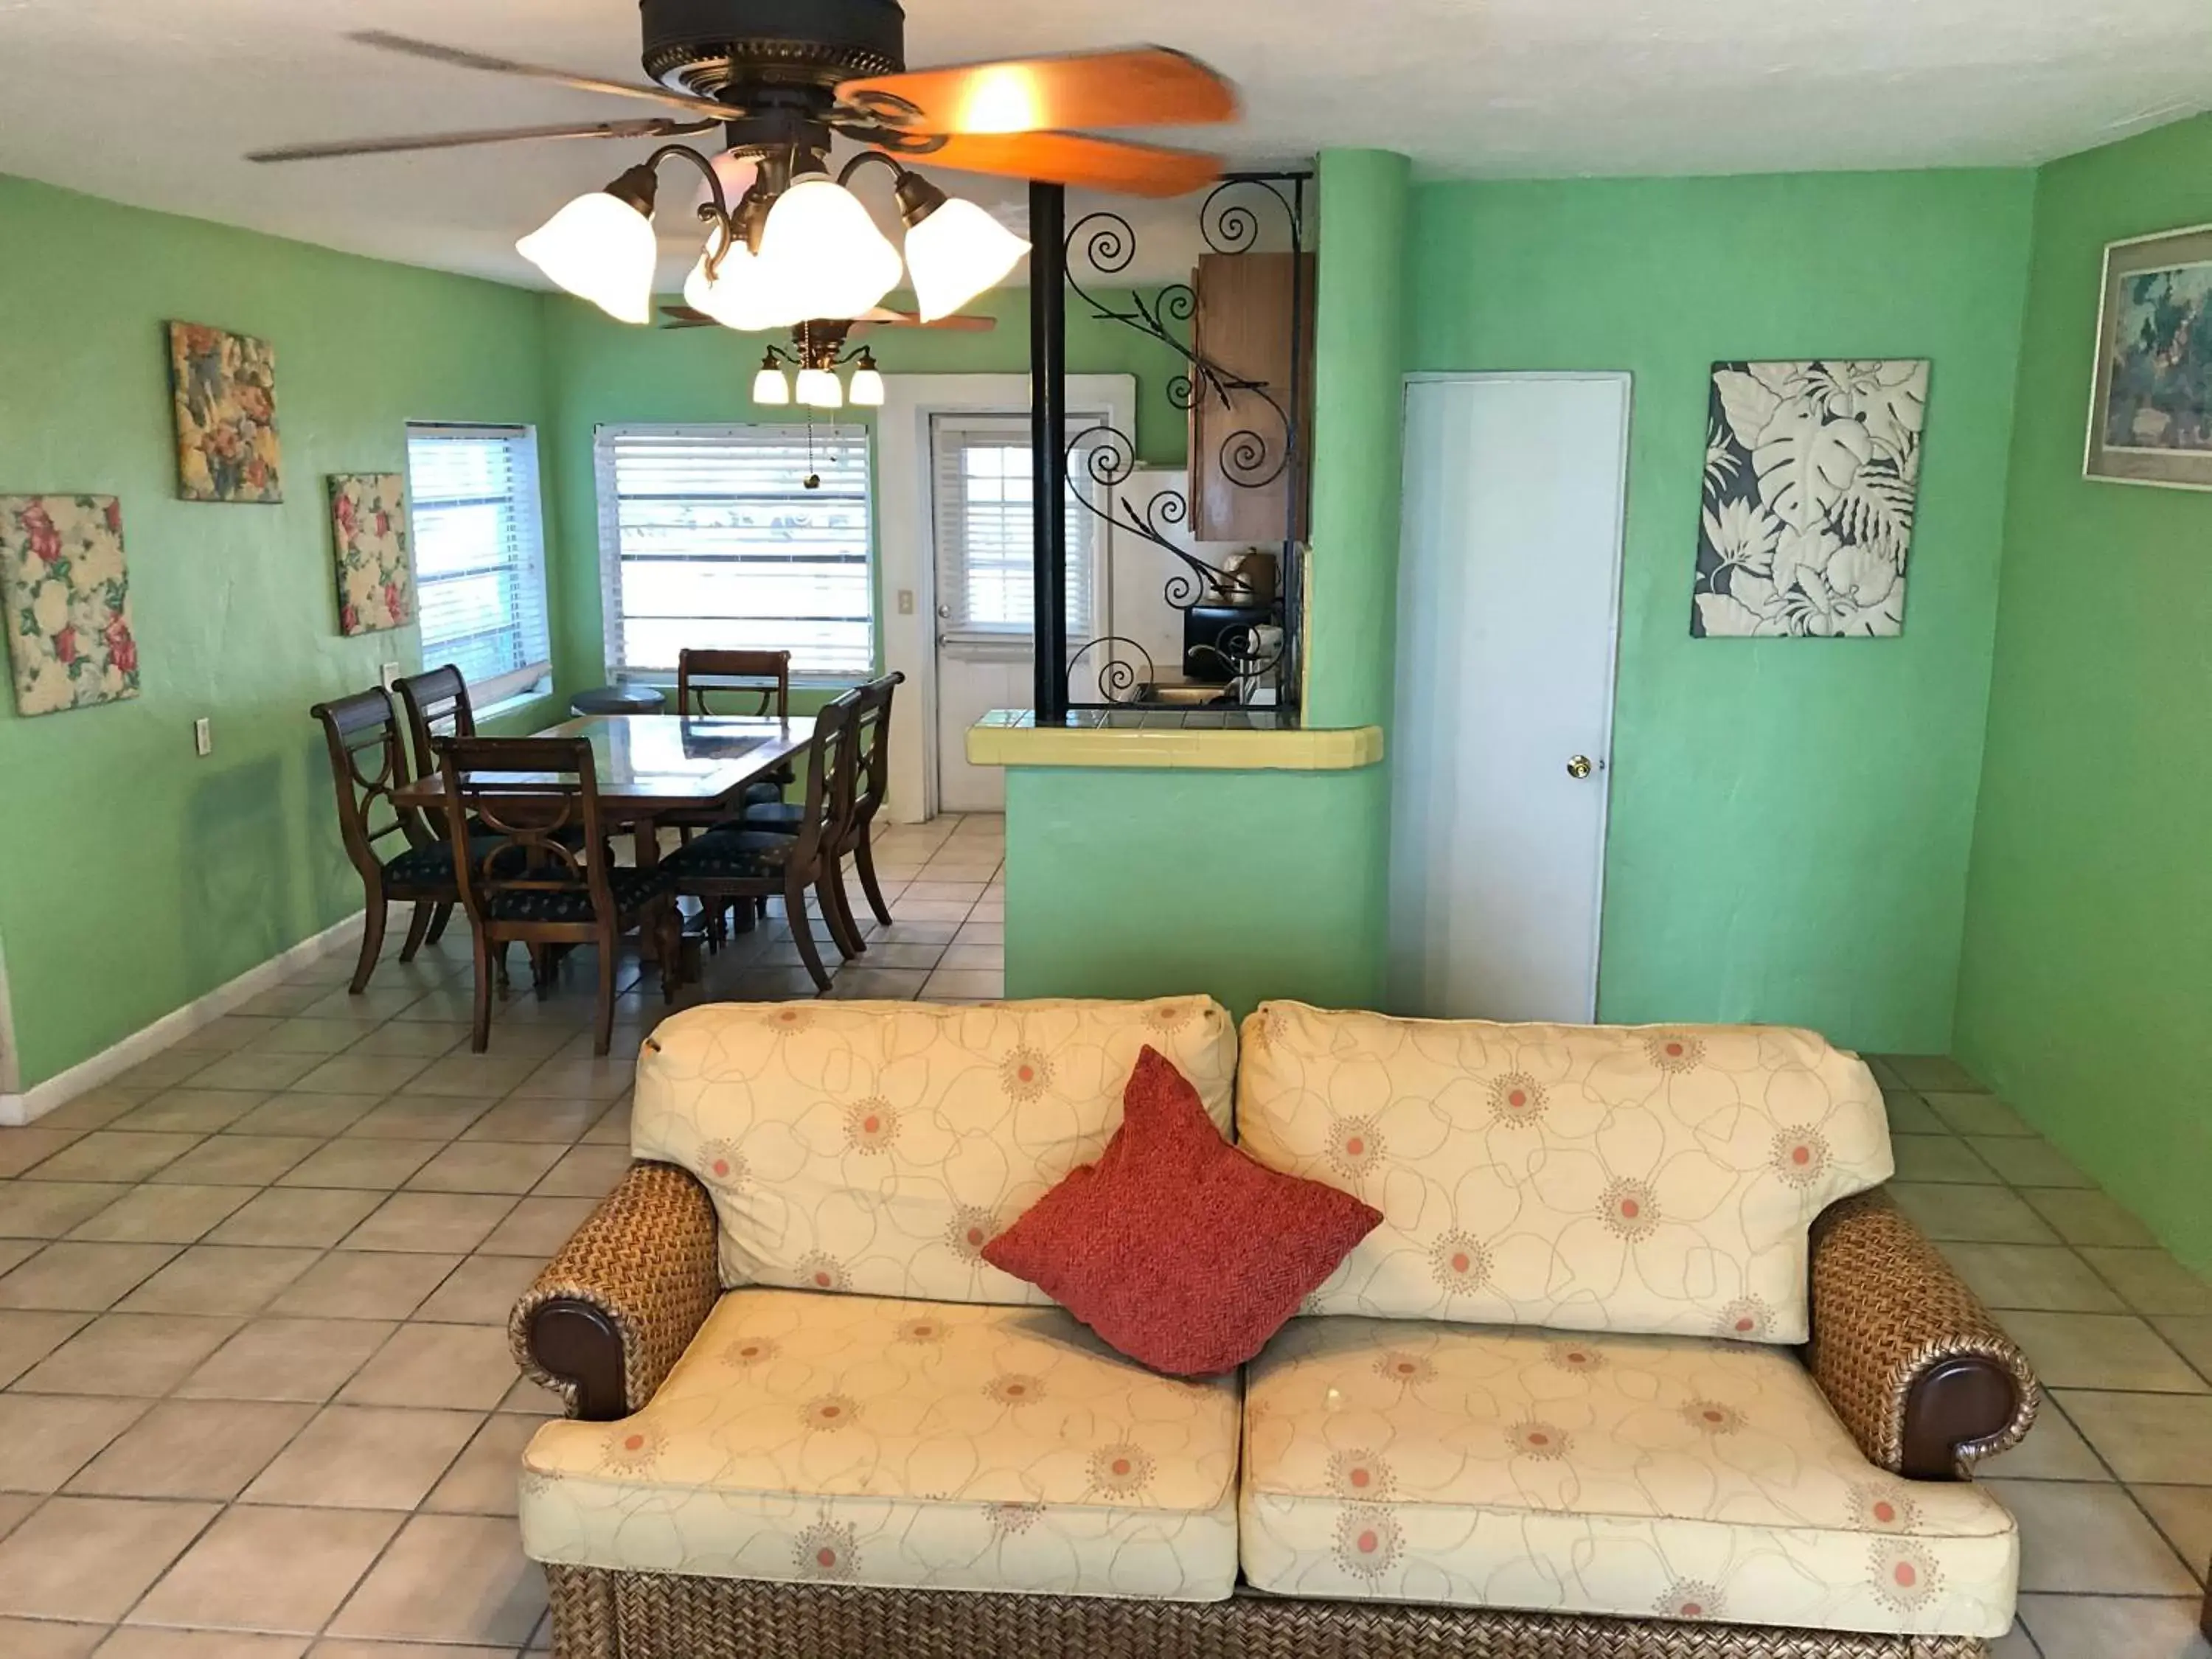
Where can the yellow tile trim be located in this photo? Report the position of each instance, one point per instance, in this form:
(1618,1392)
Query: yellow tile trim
(1002,738)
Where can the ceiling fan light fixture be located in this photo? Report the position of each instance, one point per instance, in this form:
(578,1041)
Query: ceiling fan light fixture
(955,251)
(818,389)
(821,243)
(771,386)
(601,248)
(867,388)
(741,294)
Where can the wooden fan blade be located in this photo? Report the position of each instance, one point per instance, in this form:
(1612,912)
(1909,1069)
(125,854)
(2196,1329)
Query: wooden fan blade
(1075,158)
(1140,86)
(686,317)
(409,46)
(880,318)
(654,128)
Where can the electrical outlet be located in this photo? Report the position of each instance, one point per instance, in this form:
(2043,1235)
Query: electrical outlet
(389,674)
(204,737)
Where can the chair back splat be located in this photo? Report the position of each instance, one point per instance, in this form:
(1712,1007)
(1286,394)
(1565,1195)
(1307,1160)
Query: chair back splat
(747,683)
(437,705)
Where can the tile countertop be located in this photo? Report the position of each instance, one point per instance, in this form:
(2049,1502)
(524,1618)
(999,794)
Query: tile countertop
(1214,739)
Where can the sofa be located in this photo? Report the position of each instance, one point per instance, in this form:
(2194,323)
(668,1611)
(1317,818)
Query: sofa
(1638,1362)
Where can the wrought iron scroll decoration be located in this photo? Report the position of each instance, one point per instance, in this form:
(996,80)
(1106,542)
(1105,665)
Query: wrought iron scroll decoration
(1105,242)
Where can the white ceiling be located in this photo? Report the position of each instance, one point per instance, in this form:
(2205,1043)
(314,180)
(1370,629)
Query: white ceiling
(153,101)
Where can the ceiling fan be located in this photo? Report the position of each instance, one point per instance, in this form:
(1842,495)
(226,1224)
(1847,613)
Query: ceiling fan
(821,346)
(783,78)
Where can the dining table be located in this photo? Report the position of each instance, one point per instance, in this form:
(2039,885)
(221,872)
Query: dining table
(650,767)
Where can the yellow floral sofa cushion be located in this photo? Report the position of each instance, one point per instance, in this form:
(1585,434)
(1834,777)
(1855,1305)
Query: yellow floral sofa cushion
(1636,1476)
(877,1146)
(1654,1179)
(859,1440)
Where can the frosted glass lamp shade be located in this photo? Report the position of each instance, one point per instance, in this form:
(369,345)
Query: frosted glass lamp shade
(602,249)
(771,386)
(822,249)
(957,252)
(741,295)
(818,389)
(867,390)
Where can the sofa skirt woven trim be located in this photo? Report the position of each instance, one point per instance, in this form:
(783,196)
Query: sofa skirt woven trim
(603,1614)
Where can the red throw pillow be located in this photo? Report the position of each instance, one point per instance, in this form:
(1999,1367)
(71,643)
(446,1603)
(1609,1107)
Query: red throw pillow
(1176,1247)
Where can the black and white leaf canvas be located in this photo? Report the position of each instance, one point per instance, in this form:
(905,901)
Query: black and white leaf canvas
(1812,475)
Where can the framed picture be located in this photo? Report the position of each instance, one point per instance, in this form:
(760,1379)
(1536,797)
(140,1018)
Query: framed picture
(225,386)
(1812,483)
(2150,413)
(368,523)
(65,602)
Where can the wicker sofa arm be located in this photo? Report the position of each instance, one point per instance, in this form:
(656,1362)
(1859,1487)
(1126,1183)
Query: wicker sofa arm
(1923,1377)
(612,1313)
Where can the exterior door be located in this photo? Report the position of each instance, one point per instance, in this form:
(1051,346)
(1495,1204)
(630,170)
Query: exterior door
(1508,616)
(985,533)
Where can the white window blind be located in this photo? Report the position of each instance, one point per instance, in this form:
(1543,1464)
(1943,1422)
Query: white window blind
(480,555)
(984,495)
(709,536)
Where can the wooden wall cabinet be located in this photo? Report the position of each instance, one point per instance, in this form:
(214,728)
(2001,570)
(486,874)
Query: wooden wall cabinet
(1243,325)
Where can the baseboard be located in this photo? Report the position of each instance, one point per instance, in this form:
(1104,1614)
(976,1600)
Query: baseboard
(34,1103)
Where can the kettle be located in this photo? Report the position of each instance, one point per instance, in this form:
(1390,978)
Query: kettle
(1247,578)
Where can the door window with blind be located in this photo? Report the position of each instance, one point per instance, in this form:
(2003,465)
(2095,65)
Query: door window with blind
(480,555)
(737,537)
(984,500)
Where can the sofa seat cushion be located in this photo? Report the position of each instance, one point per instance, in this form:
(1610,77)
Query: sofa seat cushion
(903,1444)
(878,1146)
(1661,1180)
(1632,1476)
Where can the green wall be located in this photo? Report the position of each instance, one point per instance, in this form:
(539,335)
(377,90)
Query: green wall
(1790,818)
(1253,884)
(604,373)
(2085,996)
(134,878)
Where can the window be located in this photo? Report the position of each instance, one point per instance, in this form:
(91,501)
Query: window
(480,555)
(709,536)
(987,533)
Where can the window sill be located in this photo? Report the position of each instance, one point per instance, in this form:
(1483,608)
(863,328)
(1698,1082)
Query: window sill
(515,704)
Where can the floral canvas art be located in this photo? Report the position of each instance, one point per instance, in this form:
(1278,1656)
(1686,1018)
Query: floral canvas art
(2151,418)
(1811,479)
(65,600)
(376,588)
(226,396)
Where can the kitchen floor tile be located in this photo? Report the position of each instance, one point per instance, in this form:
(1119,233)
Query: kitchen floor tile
(360,1074)
(220,1279)
(367,1164)
(535,1121)
(91,1558)
(1939,1158)
(2161,1437)
(2054,1450)
(46,1439)
(2183,1514)
(246,1070)
(1975,1114)
(1988,1215)
(127,1354)
(306,1114)
(585,1172)
(2152,1281)
(90,1278)
(273,1569)
(486,1166)
(236,1160)
(422,1364)
(537,1227)
(486,1479)
(150,1644)
(2088,1218)
(2100,1351)
(2047,1277)
(2028,1163)
(434,1118)
(162,1215)
(191,1110)
(112,1155)
(2112,1627)
(29,1335)
(192,1448)
(1933,1074)
(40,1638)
(2089,1539)
(448,1578)
(49,1209)
(427,1223)
(365,1285)
(365,1458)
(299,1359)
(482,1291)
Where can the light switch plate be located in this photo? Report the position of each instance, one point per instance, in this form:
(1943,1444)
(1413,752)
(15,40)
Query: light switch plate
(204,737)
(906,602)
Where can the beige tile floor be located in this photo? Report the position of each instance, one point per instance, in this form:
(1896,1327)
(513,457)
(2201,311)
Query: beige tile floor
(256,1401)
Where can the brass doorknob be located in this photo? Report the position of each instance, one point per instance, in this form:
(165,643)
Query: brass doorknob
(1579,767)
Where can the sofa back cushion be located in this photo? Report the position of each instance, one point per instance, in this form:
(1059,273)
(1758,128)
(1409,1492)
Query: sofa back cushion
(1655,1180)
(878,1146)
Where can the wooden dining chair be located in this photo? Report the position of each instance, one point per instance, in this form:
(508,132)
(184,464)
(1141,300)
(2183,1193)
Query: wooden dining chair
(756,684)
(743,866)
(368,765)
(871,772)
(438,697)
(542,872)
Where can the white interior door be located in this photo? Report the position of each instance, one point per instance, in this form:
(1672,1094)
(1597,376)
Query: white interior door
(1508,616)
